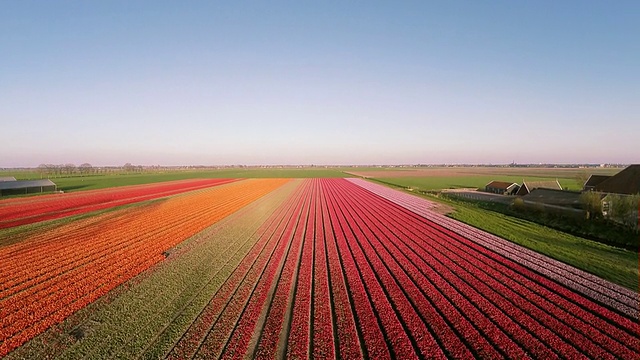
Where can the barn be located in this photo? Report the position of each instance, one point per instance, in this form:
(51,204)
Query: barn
(26,187)
(502,187)
(7,178)
(593,181)
(625,182)
(528,186)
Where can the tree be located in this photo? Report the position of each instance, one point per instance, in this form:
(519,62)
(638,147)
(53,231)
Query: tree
(85,168)
(592,204)
(582,177)
(43,169)
(623,209)
(69,168)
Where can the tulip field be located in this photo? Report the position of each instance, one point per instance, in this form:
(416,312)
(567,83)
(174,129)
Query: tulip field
(289,268)
(21,211)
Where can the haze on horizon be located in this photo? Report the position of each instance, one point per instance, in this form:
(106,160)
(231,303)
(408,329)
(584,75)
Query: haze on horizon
(209,83)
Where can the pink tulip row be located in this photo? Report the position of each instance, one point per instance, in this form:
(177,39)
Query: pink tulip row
(615,296)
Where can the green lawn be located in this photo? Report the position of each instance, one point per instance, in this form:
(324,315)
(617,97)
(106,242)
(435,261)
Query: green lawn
(467,181)
(92,182)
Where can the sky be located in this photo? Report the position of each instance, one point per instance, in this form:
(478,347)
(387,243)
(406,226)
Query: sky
(319,82)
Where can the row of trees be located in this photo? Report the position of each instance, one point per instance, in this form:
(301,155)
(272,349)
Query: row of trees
(48,170)
(65,169)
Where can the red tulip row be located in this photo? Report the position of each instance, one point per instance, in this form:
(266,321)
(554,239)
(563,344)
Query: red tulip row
(21,211)
(544,269)
(299,342)
(350,341)
(279,304)
(311,332)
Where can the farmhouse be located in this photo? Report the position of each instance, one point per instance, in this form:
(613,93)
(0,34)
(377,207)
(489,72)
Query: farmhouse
(26,187)
(502,187)
(593,181)
(528,186)
(625,182)
(620,200)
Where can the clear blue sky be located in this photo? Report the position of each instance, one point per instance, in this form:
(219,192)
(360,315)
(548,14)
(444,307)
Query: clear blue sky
(319,82)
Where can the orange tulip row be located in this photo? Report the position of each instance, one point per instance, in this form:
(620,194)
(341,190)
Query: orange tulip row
(49,276)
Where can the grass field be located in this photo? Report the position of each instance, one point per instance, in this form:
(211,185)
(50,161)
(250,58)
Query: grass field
(425,179)
(93,182)
(469,181)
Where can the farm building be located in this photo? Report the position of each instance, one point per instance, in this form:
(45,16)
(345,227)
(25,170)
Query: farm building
(502,187)
(26,187)
(528,186)
(7,178)
(593,181)
(625,182)
(555,197)
(620,201)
